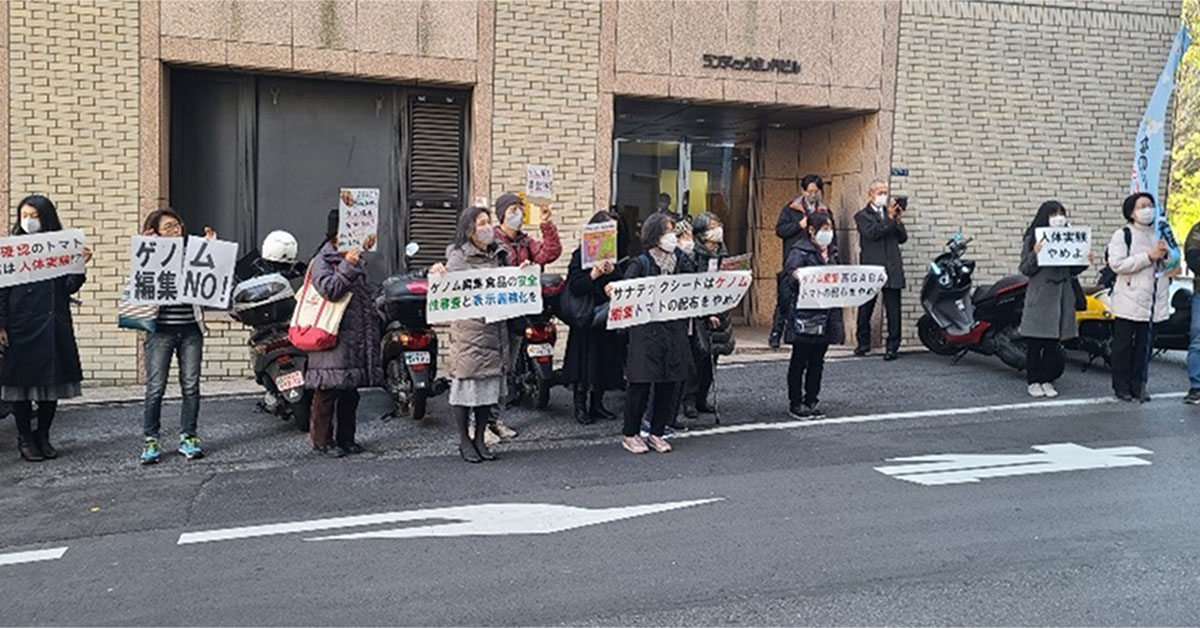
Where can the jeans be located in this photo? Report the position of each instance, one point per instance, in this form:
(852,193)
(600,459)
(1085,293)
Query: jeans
(1129,345)
(1193,356)
(891,311)
(804,373)
(184,341)
(1043,360)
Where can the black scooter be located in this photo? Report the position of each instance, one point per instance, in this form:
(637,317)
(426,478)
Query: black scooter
(535,374)
(409,346)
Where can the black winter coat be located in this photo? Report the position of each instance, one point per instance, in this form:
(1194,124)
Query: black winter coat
(41,335)
(594,355)
(879,242)
(802,255)
(788,229)
(720,340)
(658,352)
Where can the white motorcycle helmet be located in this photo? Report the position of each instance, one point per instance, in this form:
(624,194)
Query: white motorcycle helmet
(279,246)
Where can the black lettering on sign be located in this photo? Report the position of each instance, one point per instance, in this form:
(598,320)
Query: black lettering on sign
(750,64)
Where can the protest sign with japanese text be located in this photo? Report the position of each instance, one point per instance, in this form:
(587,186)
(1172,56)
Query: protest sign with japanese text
(823,287)
(673,297)
(358,218)
(493,294)
(30,258)
(539,181)
(155,270)
(1063,246)
(598,243)
(208,272)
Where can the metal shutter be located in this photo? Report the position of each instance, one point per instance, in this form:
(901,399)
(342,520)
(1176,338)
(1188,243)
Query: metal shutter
(436,171)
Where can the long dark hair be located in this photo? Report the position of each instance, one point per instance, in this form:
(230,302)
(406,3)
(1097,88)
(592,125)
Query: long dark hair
(1042,218)
(1131,202)
(655,227)
(46,211)
(466,224)
(156,216)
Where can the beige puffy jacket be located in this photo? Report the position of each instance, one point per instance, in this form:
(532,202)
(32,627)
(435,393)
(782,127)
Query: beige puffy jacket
(478,349)
(1134,290)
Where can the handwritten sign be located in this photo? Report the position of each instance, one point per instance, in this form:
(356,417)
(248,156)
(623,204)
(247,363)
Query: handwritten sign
(539,181)
(823,287)
(1063,246)
(41,256)
(673,297)
(155,270)
(208,272)
(493,294)
(599,243)
(358,218)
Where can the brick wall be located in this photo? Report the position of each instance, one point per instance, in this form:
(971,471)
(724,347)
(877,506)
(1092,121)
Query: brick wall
(1003,105)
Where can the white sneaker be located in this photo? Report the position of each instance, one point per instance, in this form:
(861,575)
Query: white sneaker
(1035,390)
(502,430)
(1048,390)
(489,437)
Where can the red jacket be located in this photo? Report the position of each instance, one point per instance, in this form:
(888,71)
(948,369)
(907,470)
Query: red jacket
(524,248)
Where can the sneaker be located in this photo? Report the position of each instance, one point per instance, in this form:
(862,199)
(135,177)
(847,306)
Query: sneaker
(490,437)
(814,412)
(657,443)
(1049,391)
(151,451)
(1035,390)
(502,430)
(634,444)
(1193,397)
(189,446)
(800,412)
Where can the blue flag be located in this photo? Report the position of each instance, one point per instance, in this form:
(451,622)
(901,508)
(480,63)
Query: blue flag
(1150,145)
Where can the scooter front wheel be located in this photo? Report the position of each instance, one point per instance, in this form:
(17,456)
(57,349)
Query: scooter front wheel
(933,337)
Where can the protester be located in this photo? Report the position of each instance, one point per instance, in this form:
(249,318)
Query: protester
(1135,254)
(178,332)
(1050,299)
(478,350)
(881,232)
(41,361)
(657,351)
(686,243)
(594,354)
(810,332)
(1191,251)
(336,374)
(791,227)
(714,334)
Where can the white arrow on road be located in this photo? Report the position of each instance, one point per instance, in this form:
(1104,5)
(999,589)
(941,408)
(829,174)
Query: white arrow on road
(943,469)
(478,520)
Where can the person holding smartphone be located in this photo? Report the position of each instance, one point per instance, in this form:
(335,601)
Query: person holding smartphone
(881,231)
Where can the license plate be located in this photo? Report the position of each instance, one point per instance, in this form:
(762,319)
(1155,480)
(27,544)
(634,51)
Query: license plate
(539,351)
(288,381)
(416,357)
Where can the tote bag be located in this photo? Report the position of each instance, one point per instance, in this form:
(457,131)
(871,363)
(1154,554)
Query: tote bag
(136,317)
(316,319)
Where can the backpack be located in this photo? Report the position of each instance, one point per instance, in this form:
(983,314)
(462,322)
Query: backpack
(1108,277)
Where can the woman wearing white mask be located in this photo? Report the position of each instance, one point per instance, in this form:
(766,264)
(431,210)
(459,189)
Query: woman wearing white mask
(1136,255)
(713,334)
(1050,304)
(810,332)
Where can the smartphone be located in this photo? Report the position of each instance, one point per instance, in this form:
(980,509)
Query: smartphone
(902,202)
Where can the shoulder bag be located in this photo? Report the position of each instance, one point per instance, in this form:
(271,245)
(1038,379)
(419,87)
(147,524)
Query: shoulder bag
(316,320)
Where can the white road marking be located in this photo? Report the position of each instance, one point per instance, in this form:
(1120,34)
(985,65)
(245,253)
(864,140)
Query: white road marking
(33,556)
(477,520)
(942,469)
(911,414)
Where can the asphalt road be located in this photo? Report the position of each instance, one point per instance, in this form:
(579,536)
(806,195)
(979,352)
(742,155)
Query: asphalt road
(803,528)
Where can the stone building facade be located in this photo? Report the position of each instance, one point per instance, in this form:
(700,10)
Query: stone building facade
(990,106)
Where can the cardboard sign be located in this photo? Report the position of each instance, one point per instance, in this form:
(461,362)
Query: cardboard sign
(1063,246)
(358,218)
(673,297)
(493,294)
(539,181)
(156,268)
(208,272)
(823,287)
(41,256)
(598,243)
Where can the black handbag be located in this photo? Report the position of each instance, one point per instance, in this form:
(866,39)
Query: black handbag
(811,323)
(582,311)
(1080,297)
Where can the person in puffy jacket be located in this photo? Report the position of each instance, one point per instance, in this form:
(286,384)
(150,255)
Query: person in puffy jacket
(714,334)
(810,332)
(336,374)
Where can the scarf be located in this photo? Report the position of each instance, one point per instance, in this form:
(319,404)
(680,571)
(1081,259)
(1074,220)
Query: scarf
(665,261)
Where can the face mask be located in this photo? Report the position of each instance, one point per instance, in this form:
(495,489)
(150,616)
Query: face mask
(668,242)
(687,246)
(1144,215)
(1058,221)
(513,221)
(823,238)
(880,201)
(716,234)
(31,225)
(486,236)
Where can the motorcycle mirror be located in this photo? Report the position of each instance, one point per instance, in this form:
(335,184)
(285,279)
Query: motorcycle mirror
(411,249)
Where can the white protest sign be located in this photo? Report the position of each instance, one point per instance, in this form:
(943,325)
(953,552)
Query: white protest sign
(539,181)
(823,287)
(208,272)
(673,297)
(1063,246)
(358,218)
(30,258)
(155,270)
(493,294)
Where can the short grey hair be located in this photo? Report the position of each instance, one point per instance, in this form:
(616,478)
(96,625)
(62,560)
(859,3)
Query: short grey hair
(875,183)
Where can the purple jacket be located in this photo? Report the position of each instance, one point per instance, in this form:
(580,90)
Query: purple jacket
(354,361)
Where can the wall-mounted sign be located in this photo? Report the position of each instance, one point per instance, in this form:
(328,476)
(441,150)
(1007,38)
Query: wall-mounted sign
(751,64)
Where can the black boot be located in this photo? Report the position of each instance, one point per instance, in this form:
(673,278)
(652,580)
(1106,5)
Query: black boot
(482,414)
(466,449)
(46,410)
(582,416)
(43,443)
(27,445)
(597,410)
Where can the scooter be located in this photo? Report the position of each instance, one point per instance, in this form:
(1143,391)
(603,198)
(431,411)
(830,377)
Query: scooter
(1096,321)
(957,320)
(535,375)
(409,346)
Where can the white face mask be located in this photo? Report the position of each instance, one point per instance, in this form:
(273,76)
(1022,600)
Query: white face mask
(31,225)
(1144,216)
(1058,221)
(687,246)
(668,242)
(486,236)
(514,221)
(716,234)
(823,238)
(880,201)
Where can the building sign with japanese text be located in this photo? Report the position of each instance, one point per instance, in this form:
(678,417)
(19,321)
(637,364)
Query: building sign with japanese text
(673,297)
(493,294)
(41,256)
(751,64)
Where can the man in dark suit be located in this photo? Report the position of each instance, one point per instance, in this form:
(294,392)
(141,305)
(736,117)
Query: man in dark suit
(881,232)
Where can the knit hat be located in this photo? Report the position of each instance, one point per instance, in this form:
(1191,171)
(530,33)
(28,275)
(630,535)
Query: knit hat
(503,203)
(331,224)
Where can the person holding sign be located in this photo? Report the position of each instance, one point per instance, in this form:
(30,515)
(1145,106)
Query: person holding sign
(1050,304)
(810,332)
(714,334)
(336,374)
(178,332)
(1136,254)
(41,362)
